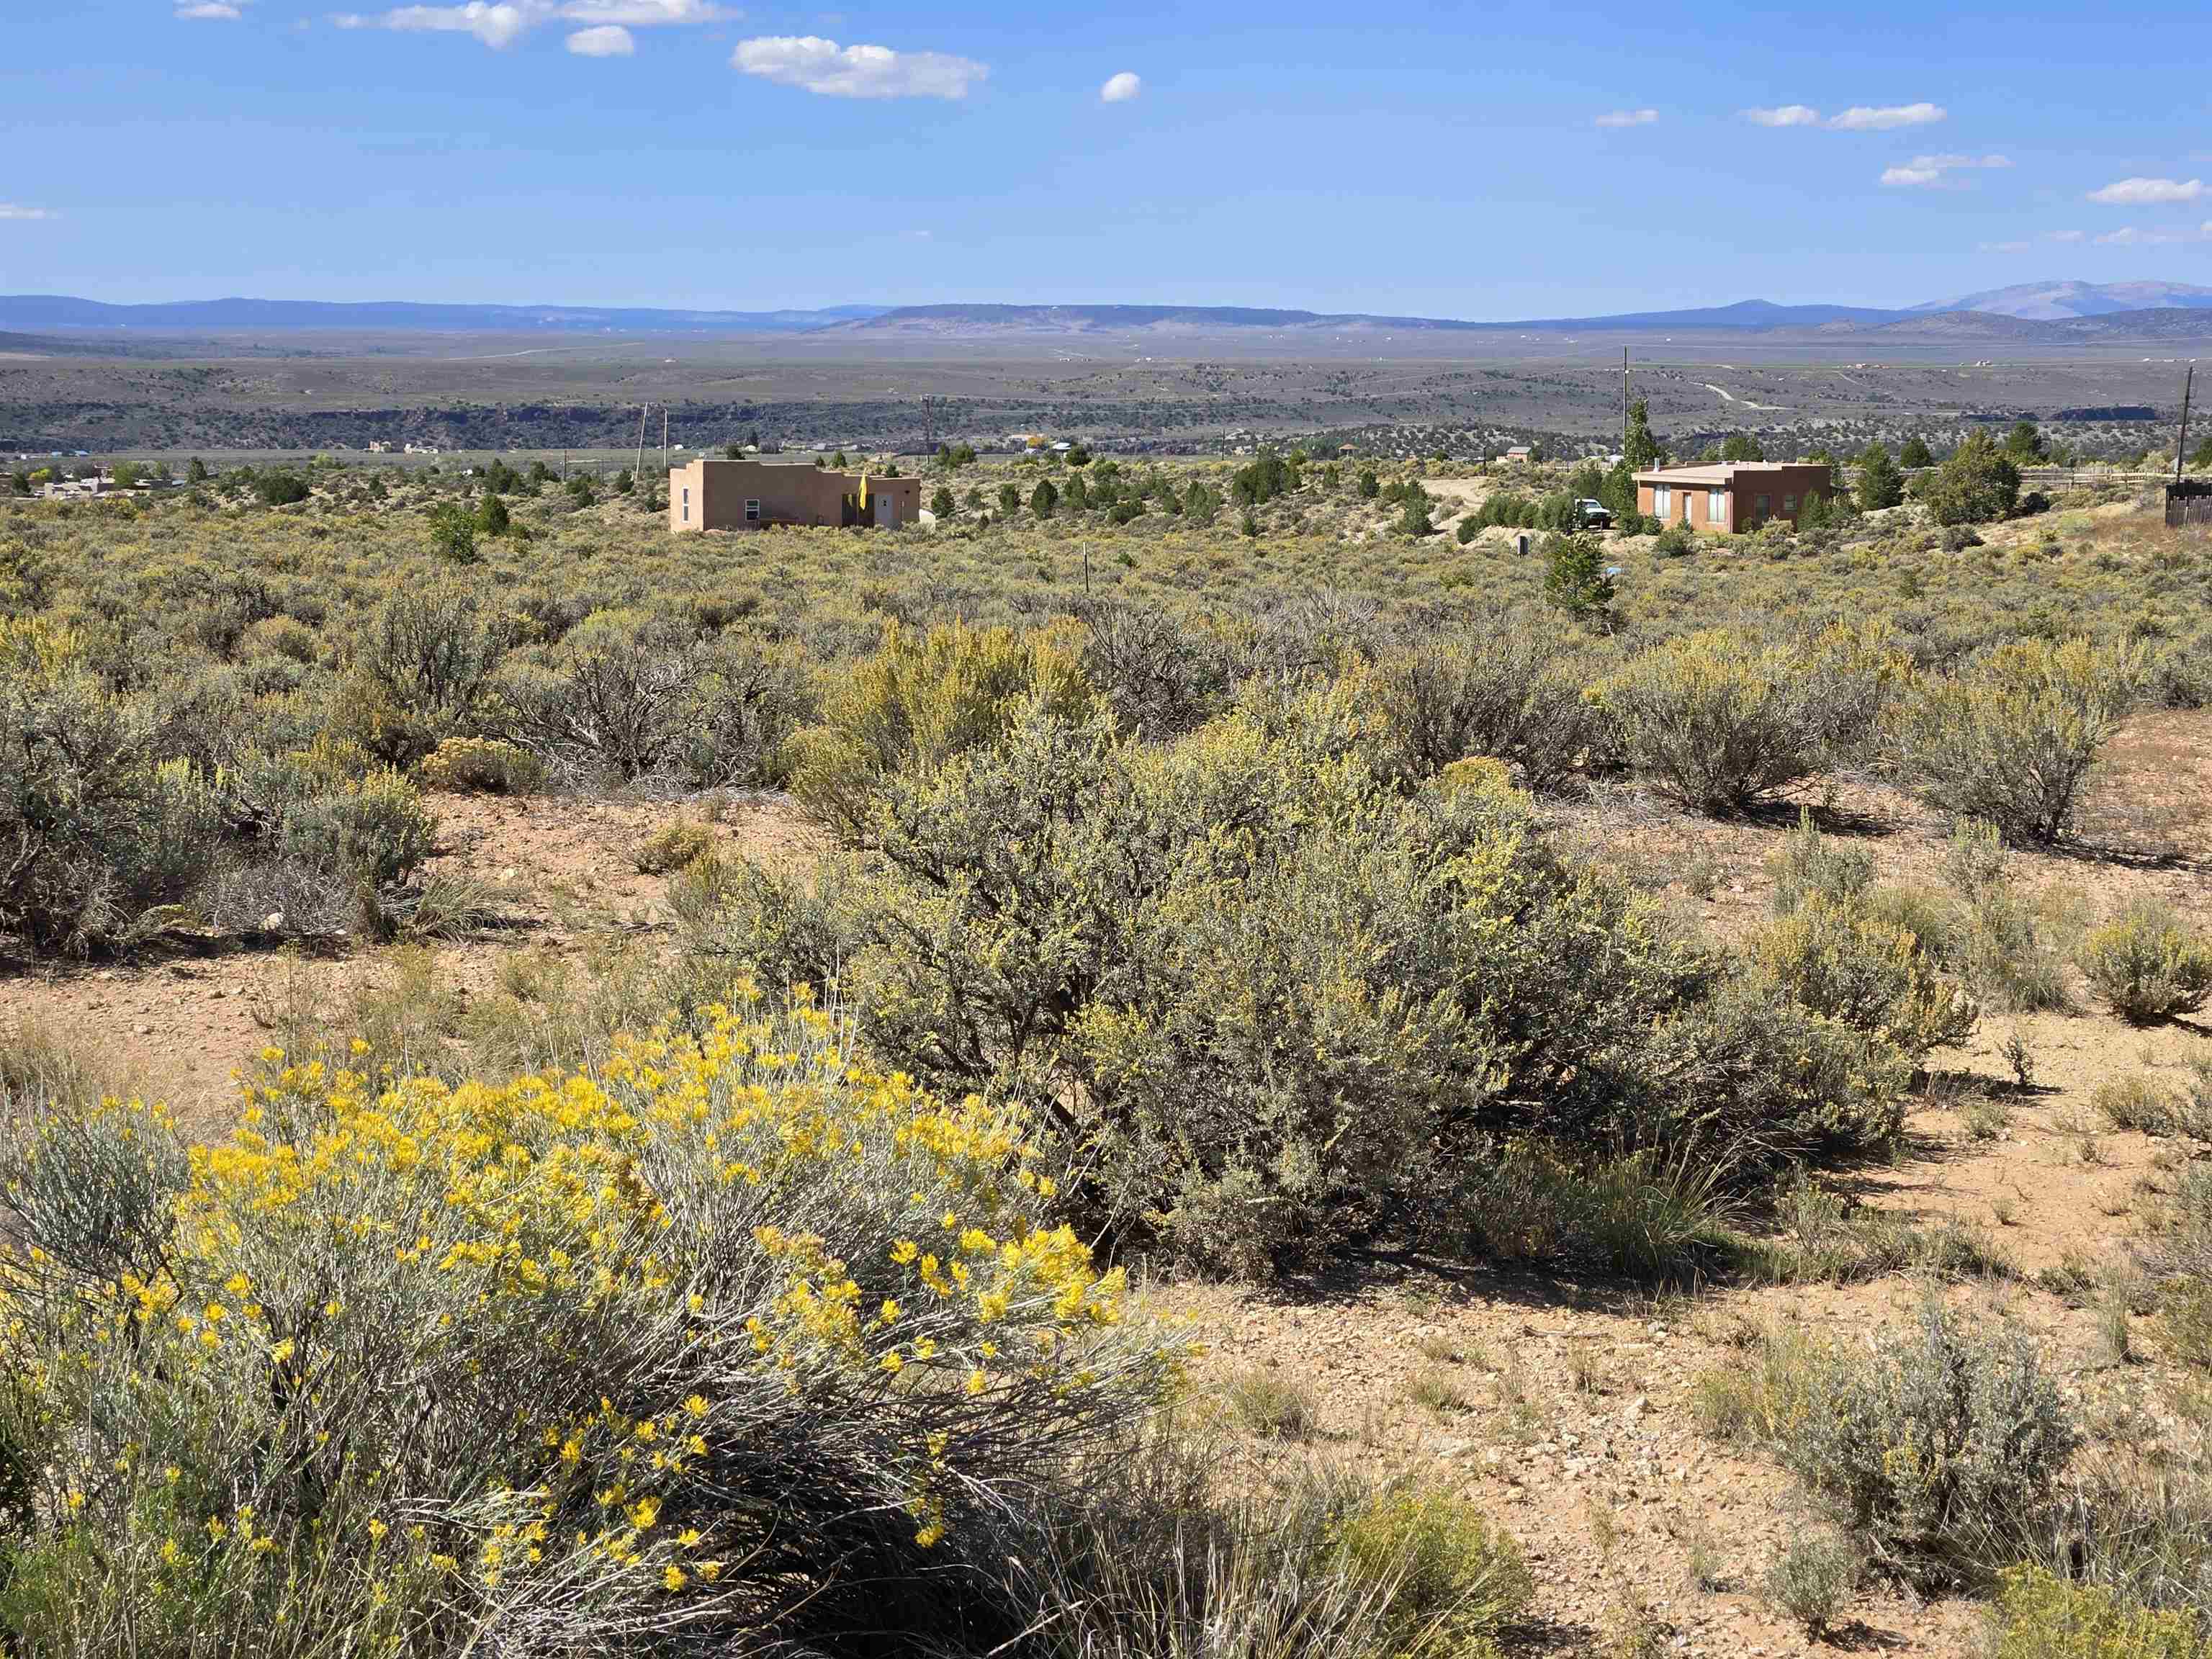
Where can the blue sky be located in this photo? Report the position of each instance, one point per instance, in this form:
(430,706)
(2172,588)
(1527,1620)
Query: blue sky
(1433,158)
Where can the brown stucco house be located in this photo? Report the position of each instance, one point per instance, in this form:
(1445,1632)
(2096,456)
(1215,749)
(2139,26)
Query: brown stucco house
(1734,495)
(710,493)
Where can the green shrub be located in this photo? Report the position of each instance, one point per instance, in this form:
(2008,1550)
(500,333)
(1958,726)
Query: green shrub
(1942,1449)
(672,848)
(95,831)
(2039,1615)
(1812,1580)
(921,701)
(373,829)
(1453,1580)
(1849,966)
(1272,1405)
(669,1357)
(2135,1101)
(2014,737)
(1505,689)
(1143,933)
(1159,676)
(1976,483)
(1720,720)
(416,674)
(624,698)
(482,763)
(1809,863)
(2146,966)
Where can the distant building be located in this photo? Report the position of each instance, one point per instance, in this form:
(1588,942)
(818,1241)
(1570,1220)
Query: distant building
(711,492)
(1733,496)
(1519,455)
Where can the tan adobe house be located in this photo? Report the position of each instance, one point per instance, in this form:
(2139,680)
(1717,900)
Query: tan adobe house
(1735,496)
(710,493)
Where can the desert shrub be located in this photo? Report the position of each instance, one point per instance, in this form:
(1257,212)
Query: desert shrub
(923,699)
(626,698)
(1942,1449)
(1454,1579)
(672,846)
(1159,676)
(1639,1217)
(1273,1405)
(280,489)
(416,672)
(95,829)
(1812,1580)
(1140,933)
(1831,1241)
(2012,738)
(1722,720)
(2147,966)
(1809,864)
(1838,961)
(1320,1565)
(482,763)
(373,829)
(727,1346)
(2042,1615)
(2137,1101)
(1506,688)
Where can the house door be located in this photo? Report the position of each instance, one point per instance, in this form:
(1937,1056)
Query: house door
(886,505)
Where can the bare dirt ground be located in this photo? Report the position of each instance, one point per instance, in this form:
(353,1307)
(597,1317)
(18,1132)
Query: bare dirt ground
(1567,1411)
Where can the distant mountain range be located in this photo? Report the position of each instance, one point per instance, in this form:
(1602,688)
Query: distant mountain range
(25,311)
(2050,312)
(2043,301)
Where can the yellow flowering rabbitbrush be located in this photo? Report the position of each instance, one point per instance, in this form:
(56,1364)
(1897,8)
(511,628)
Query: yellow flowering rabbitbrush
(704,1340)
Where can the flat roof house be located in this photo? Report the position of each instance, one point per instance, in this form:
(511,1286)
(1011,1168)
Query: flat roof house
(1736,496)
(712,493)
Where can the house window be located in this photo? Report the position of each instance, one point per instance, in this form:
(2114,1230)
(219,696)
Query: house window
(1663,501)
(753,512)
(687,506)
(1762,507)
(1788,506)
(1717,507)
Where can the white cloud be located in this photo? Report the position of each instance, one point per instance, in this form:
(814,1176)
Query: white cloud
(2065,236)
(209,11)
(1924,172)
(1864,118)
(2136,236)
(1628,118)
(607,40)
(1121,89)
(1860,118)
(500,23)
(2148,192)
(17,210)
(817,65)
(2004,248)
(646,14)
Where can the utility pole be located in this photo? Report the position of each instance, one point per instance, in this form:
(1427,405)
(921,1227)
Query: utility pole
(637,473)
(663,437)
(1624,402)
(2181,445)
